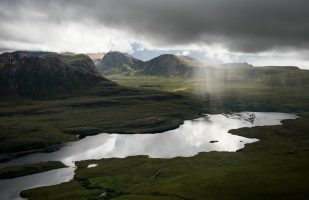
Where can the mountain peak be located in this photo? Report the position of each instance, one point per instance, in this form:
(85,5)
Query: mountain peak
(165,64)
(169,64)
(37,75)
(115,61)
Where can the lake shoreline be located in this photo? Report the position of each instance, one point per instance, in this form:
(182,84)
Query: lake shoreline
(187,126)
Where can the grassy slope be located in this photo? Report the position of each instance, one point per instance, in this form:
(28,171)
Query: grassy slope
(23,170)
(223,97)
(40,124)
(30,126)
(273,168)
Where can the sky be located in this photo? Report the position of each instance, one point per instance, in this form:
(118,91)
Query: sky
(260,32)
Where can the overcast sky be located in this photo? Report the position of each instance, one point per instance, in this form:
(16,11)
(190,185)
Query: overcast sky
(261,32)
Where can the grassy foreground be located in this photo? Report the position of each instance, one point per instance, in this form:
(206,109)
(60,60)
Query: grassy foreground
(23,170)
(276,167)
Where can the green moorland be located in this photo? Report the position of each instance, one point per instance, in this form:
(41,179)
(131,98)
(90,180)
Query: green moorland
(28,126)
(23,170)
(152,104)
(220,96)
(276,167)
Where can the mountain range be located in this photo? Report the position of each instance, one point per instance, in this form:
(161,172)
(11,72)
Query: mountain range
(163,65)
(187,67)
(38,74)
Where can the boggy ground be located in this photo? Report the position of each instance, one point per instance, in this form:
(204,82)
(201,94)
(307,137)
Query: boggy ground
(139,105)
(23,170)
(272,168)
(276,167)
(28,126)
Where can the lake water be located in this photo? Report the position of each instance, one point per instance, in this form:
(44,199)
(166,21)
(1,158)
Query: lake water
(209,133)
(10,188)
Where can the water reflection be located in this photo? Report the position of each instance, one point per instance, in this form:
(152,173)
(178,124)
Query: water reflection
(209,133)
(10,188)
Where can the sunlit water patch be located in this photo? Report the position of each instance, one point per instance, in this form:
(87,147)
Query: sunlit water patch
(92,165)
(209,133)
(10,188)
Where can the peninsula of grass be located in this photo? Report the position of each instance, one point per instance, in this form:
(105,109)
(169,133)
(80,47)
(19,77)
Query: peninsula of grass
(27,169)
(276,167)
(35,125)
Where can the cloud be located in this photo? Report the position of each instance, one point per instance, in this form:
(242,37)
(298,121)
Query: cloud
(183,53)
(238,26)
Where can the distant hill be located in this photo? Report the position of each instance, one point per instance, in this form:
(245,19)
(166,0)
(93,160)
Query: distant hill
(163,65)
(173,65)
(116,62)
(39,74)
(268,75)
(235,65)
(169,64)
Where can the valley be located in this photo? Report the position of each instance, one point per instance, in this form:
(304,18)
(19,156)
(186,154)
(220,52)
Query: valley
(154,100)
(142,103)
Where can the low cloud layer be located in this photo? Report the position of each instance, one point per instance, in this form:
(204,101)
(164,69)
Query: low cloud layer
(245,26)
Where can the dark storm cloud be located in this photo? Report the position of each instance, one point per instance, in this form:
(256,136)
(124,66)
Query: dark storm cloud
(240,25)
